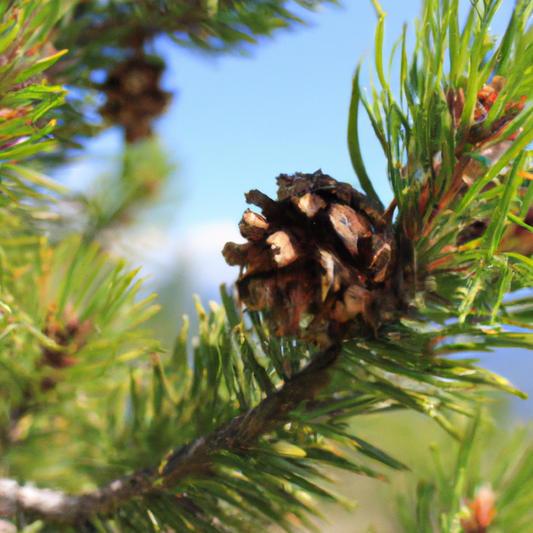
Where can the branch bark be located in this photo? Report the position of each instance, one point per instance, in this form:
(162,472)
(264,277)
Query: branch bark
(239,434)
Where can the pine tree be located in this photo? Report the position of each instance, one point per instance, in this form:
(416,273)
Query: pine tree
(343,307)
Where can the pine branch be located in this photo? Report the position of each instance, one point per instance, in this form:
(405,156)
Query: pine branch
(58,507)
(255,412)
(241,433)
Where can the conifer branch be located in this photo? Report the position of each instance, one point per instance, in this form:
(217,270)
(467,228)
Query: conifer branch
(253,416)
(194,459)
(58,507)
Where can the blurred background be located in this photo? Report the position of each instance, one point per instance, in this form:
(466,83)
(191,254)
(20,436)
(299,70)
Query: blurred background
(235,123)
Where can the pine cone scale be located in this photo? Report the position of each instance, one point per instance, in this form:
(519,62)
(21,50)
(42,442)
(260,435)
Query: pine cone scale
(317,260)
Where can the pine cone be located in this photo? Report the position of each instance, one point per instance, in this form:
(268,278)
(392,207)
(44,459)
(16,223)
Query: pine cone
(320,260)
(68,333)
(134,97)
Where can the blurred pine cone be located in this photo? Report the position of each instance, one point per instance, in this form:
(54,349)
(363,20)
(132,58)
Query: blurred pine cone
(134,97)
(320,260)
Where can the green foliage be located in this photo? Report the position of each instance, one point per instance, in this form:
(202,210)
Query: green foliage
(68,335)
(26,99)
(492,472)
(69,311)
(233,366)
(440,171)
(214,25)
(417,128)
(225,436)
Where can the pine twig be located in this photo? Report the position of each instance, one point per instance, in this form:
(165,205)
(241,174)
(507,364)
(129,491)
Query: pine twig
(241,433)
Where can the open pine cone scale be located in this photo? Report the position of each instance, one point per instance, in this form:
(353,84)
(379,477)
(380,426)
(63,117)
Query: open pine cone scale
(318,261)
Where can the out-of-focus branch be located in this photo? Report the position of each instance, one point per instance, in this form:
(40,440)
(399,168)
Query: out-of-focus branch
(241,433)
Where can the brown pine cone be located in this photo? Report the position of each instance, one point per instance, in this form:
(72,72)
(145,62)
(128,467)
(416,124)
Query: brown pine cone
(134,97)
(320,261)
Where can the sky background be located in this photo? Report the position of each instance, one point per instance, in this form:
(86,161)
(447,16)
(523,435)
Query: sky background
(237,122)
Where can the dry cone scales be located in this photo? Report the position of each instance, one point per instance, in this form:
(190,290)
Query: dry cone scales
(320,261)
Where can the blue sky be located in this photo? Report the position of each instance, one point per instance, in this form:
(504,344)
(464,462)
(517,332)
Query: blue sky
(236,122)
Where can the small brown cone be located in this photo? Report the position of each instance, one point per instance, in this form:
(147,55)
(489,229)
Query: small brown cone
(134,97)
(67,333)
(319,260)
